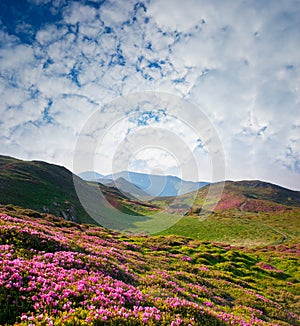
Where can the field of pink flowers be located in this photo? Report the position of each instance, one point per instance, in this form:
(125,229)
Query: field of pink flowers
(54,272)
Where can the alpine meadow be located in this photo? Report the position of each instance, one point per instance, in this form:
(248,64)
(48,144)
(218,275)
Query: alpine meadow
(149,162)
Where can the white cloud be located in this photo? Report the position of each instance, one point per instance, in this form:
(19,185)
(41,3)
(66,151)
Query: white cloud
(14,58)
(39,2)
(50,34)
(113,14)
(78,13)
(237,61)
(72,111)
(171,16)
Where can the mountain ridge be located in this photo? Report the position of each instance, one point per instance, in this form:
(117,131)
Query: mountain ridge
(249,196)
(249,213)
(129,189)
(153,184)
(90,175)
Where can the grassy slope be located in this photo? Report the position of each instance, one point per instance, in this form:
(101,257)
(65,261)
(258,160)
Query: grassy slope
(90,275)
(257,196)
(240,228)
(249,213)
(40,186)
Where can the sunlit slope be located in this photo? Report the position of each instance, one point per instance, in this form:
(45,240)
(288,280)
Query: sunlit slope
(248,213)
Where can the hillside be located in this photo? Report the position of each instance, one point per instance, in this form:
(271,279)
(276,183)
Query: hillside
(50,188)
(249,213)
(57,272)
(249,196)
(41,186)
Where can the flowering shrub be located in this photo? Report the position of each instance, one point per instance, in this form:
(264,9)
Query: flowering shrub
(54,272)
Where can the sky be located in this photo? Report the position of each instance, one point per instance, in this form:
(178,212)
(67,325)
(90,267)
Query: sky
(66,63)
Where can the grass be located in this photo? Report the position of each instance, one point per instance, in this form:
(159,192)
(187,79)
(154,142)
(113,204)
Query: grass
(240,228)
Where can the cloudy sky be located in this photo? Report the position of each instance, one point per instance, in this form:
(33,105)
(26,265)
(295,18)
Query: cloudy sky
(236,61)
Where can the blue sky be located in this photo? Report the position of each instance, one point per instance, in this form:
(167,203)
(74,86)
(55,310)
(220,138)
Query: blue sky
(238,61)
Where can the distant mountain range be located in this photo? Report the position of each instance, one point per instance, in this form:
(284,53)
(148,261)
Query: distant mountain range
(90,176)
(141,185)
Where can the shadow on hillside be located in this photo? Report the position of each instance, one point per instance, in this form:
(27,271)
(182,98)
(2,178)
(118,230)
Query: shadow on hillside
(106,210)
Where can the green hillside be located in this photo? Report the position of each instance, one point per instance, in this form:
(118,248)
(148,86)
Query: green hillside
(248,196)
(41,186)
(249,213)
(50,188)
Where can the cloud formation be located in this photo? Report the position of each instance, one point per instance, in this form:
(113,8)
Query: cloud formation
(237,61)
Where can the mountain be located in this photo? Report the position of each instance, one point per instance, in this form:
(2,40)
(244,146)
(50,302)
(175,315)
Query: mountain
(251,196)
(128,189)
(249,213)
(49,188)
(90,175)
(155,185)
(41,186)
